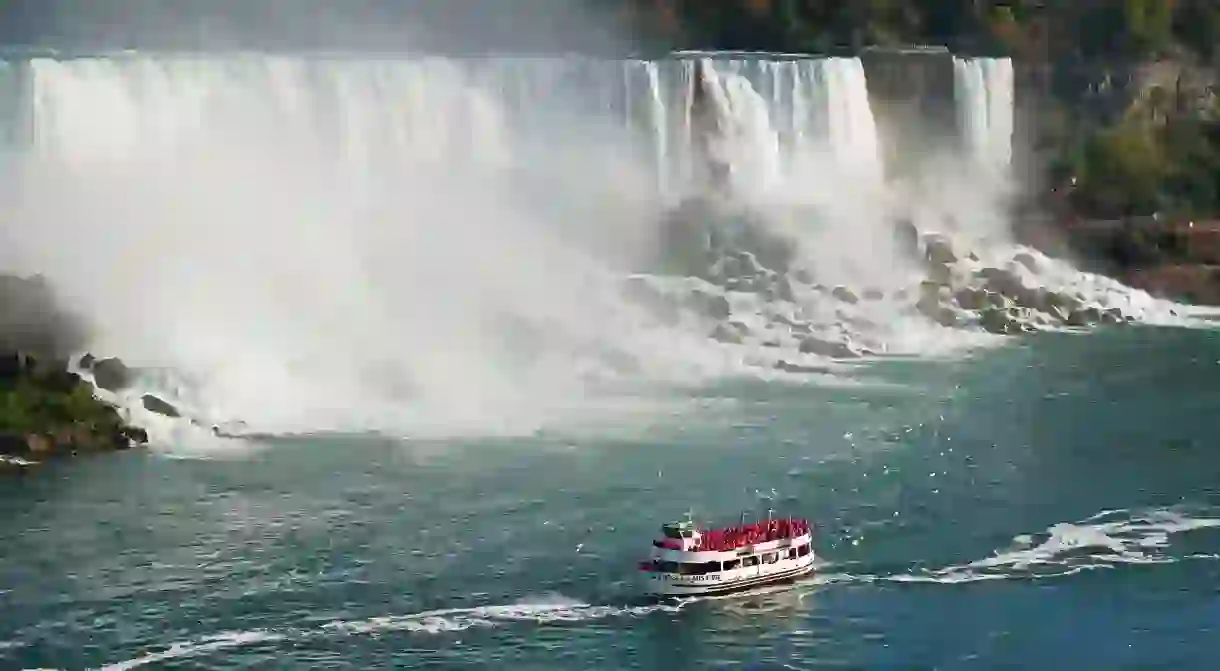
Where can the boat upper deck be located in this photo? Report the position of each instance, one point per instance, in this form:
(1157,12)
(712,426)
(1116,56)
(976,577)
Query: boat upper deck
(735,537)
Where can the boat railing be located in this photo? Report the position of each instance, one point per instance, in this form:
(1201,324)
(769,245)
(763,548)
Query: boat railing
(753,534)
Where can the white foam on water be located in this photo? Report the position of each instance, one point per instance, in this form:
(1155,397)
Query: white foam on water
(1107,540)
(442,621)
(458,619)
(202,646)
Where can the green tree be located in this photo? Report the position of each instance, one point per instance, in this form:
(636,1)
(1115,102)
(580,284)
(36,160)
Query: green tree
(1149,25)
(1121,171)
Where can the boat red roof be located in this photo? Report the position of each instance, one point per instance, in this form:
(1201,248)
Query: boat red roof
(734,537)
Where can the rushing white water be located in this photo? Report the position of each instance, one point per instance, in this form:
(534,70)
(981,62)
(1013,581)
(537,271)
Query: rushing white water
(983,88)
(407,244)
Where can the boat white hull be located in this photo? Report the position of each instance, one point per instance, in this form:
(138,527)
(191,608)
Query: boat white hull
(724,582)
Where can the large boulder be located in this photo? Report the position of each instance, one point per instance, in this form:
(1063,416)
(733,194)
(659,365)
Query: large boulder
(934,310)
(938,250)
(844,294)
(906,237)
(717,240)
(783,290)
(731,332)
(159,406)
(112,374)
(995,320)
(1026,259)
(971,298)
(789,367)
(712,306)
(826,348)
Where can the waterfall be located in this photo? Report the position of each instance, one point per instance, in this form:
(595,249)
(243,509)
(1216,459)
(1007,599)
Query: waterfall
(983,91)
(780,111)
(495,111)
(777,110)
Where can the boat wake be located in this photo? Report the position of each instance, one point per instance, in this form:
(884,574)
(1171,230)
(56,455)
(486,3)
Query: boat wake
(1110,539)
(442,621)
(1107,540)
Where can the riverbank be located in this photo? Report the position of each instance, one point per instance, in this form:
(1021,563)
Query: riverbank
(48,412)
(1174,258)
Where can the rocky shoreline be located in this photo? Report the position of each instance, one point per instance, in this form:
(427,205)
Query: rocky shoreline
(48,412)
(745,284)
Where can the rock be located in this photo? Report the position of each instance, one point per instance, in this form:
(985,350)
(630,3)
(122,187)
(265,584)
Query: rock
(784,290)
(1061,303)
(1084,317)
(1112,316)
(86,361)
(733,332)
(803,276)
(941,314)
(906,237)
(1026,259)
(159,406)
(112,374)
(938,250)
(1001,280)
(134,435)
(929,289)
(940,274)
(781,318)
(834,350)
(970,298)
(789,367)
(712,306)
(844,294)
(873,294)
(39,444)
(999,321)
(747,264)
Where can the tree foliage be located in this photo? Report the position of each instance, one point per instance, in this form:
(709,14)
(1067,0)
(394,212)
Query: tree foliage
(1052,29)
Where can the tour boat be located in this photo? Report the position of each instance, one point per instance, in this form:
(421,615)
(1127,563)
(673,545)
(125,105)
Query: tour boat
(688,561)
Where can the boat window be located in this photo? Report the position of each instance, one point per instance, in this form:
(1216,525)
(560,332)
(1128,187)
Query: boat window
(791,553)
(803,550)
(699,568)
(668,567)
(732,564)
(752,560)
(770,557)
